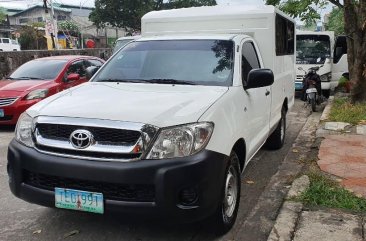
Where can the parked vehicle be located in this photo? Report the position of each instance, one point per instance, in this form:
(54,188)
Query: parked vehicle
(168,124)
(7,44)
(314,49)
(312,92)
(38,79)
(121,42)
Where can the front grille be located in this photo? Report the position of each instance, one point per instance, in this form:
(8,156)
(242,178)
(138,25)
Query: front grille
(89,154)
(111,191)
(106,136)
(7,101)
(6,118)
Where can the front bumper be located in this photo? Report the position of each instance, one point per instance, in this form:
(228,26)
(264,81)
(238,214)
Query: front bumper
(203,172)
(13,111)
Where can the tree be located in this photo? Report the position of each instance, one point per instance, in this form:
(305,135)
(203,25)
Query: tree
(2,14)
(355,29)
(127,13)
(336,21)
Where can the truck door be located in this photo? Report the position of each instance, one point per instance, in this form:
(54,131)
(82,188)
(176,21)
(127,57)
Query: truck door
(340,63)
(256,102)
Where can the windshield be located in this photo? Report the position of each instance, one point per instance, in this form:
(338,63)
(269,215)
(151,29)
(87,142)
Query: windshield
(120,44)
(312,49)
(201,62)
(39,69)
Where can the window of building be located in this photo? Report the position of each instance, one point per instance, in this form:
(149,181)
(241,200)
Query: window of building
(61,17)
(23,20)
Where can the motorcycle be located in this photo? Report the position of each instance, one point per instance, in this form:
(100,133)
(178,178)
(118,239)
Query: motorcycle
(312,87)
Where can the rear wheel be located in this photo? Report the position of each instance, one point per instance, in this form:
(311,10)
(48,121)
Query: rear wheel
(227,211)
(277,138)
(313,104)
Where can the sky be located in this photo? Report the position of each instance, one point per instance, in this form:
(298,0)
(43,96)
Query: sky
(90,3)
(22,4)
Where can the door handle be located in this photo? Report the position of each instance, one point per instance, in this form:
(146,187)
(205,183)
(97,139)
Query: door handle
(267,92)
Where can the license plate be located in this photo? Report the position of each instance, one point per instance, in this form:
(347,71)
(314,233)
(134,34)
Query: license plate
(298,85)
(2,114)
(79,200)
(311,90)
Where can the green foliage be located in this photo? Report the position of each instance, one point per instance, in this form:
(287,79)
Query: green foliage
(2,14)
(306,10)
(28,37)
(344,111)
(325,192)
(336,21)
(67,26)
(127,14)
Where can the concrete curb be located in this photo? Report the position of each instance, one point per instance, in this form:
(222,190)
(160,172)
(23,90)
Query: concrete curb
(326,111)
(287,220)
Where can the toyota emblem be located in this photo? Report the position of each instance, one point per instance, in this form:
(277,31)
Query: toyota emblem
(81,139)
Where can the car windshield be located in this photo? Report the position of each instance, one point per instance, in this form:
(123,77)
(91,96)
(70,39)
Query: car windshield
(312,49)
(43,69)
(120,44)
(200,62)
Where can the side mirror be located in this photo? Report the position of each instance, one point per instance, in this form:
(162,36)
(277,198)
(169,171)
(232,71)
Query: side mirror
(259,78)
(90,71)
(73,77)
(338,52)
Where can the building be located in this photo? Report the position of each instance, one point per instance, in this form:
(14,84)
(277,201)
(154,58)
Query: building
(37,14)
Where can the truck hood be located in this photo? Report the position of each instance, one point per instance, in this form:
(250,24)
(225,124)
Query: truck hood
(21,85)
(156,104)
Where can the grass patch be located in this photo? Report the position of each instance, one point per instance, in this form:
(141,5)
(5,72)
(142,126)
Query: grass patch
(343,111)
(325,192)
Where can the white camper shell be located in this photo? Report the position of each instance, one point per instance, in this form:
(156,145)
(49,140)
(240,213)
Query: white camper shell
(187,106)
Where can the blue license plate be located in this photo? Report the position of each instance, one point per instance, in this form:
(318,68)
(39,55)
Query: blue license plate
(2,114)
(298,86)
(79,200)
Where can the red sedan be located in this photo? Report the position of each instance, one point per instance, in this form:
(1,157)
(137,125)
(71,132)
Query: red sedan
(38,79)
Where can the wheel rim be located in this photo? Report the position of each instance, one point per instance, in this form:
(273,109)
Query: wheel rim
(231,192)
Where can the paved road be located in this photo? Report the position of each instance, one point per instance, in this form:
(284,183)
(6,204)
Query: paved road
(23,221)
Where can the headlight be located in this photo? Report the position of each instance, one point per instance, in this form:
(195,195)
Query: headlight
(23,132)
(181,141)
(325,78)
(37,94)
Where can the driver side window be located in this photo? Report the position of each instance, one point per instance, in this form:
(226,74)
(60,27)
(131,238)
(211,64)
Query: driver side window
(77,68)
(249,60)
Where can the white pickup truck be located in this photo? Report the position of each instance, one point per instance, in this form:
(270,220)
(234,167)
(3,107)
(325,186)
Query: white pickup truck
(169,123)
(7,44)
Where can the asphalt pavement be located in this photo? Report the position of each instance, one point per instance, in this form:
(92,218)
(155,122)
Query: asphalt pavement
(20,220)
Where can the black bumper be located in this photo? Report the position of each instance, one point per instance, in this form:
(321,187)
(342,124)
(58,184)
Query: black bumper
(163,179)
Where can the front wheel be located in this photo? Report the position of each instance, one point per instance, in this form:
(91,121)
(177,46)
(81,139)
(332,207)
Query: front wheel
(277,138)
(227,210)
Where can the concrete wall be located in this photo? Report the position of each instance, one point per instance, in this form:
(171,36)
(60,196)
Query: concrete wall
(9,61)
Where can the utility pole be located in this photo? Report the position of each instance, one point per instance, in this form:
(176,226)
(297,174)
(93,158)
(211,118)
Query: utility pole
(53,28)
(54,24)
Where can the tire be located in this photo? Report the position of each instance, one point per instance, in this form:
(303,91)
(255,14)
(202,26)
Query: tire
(277,138)
(313,105)
(326,93)
(225,215)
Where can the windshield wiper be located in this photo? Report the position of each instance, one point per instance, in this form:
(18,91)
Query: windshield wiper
(121,80)
(26,77)
(170,81)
